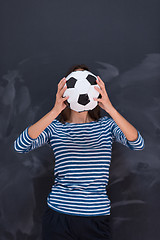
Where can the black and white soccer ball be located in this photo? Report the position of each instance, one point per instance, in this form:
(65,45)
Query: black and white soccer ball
(81,91)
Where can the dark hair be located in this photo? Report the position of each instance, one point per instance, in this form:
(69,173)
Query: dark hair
(95,113)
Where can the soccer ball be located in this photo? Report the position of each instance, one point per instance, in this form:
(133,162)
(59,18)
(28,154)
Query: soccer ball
(81,91)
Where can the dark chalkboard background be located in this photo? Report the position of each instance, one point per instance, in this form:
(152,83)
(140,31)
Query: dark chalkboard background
(120,42)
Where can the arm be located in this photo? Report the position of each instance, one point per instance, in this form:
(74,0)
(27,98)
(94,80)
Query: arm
(124,132)
(37,134)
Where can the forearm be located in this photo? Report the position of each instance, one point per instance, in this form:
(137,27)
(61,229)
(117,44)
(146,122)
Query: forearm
(128,129)
(35,130)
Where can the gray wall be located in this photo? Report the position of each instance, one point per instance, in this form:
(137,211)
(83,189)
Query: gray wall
(120,41)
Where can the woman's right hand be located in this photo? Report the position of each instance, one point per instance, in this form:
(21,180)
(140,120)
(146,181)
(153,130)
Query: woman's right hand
(60,104)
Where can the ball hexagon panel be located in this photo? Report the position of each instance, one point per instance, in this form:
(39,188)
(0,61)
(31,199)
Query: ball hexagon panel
(91,105)
(93,92)
(82,86)
(73,95)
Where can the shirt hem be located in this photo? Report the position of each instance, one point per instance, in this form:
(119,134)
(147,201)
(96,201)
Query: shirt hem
(75,214)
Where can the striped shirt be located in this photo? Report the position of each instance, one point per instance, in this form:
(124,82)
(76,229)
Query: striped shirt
(82,160)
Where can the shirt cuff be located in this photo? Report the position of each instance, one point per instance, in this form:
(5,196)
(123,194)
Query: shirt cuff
(28,138)
(138,143)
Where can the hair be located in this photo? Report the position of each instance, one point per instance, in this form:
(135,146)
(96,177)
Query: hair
(95,113)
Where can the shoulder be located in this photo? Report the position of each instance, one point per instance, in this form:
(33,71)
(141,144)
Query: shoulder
(56,124)
(106,119)
(107,122)
(54,121)
(52,126)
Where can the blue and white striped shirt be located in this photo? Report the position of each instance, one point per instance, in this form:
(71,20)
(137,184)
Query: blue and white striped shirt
(82,160)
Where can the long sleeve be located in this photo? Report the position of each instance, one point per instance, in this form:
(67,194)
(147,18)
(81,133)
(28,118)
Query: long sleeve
(24,143)
(118,136)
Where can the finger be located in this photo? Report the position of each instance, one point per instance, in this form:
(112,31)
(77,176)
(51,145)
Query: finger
(61,81)
(100,79)
(63,90)
(99,84)
(65,98)
(102,86)
(98,89)
(61,84)
(97,99)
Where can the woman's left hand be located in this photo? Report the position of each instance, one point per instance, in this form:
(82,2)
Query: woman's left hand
(104,101)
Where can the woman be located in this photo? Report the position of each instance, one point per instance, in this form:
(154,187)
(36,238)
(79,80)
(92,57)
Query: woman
(78,206)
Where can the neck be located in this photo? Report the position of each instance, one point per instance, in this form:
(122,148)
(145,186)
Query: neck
(82,117)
